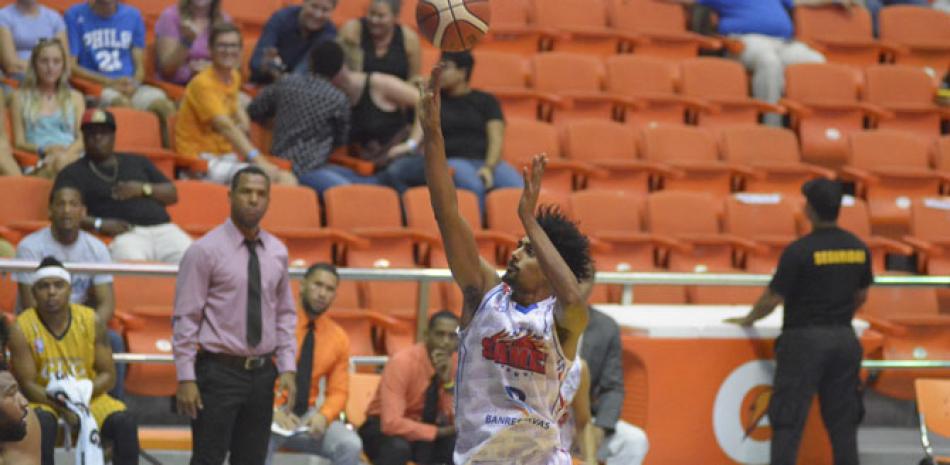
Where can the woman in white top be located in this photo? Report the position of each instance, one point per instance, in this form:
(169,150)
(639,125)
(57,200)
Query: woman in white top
(46,111)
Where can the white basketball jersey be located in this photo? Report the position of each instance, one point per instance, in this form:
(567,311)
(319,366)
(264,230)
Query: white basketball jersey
(572,382)
(508,388)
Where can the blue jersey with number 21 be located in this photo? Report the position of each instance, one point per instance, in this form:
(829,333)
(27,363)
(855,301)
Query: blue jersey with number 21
(105,44)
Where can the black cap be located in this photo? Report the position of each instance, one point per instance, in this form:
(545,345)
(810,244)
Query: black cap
(824,196)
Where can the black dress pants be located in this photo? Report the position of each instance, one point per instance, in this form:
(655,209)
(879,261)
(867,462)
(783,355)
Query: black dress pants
(394,450)
(823,360)
(237,414)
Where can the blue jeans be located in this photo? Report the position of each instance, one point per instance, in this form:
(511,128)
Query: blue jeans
(466,177)
(874,6)
(328,176)
(118,346)
(409,171)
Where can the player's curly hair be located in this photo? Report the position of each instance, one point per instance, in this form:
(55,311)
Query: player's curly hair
(573,245)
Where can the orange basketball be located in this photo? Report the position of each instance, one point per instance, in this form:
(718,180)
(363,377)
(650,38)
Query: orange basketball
(453,25)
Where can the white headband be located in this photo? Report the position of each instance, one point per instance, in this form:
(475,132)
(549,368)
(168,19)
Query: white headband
(51,272)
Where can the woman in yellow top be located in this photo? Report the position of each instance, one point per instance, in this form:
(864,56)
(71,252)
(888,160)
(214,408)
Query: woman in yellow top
(59,338)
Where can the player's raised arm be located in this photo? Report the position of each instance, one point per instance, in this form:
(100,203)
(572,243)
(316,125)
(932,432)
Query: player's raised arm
(571,316)
(473,276)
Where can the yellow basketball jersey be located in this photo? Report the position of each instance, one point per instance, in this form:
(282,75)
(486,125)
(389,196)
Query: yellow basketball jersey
(72,354)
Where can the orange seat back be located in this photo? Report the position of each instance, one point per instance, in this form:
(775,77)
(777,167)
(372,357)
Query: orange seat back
(833,21)
(499,69)
(136,128)
(876,149)
(567,72)
(526,138)
(646,15)
(599,211)
(664,213)
(757,215)
(751,144)
(356,206)
(568,14)
(200,203)
(501,206)
(713,77)
(292,207)
(897,84)
(25,198)
(591,140)
(930,218)
(933,403)
(363,387)
(419,213)
(821,82)
(634,74)
(672,143)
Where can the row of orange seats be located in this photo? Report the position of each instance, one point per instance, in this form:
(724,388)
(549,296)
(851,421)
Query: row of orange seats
(710,92)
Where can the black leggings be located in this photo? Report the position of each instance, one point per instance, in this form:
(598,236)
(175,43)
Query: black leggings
(120,428)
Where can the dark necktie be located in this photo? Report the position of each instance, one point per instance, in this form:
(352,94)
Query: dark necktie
(430,409)
(253,295)
(304,371)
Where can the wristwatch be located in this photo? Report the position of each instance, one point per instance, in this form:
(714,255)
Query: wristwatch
(97,224)
(147,190)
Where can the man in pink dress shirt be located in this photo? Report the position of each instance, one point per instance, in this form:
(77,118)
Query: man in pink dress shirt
(234,330)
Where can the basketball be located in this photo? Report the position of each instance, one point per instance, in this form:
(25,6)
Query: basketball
(453,25)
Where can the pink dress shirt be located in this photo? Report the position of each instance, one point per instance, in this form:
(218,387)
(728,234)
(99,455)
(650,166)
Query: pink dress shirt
(211,301)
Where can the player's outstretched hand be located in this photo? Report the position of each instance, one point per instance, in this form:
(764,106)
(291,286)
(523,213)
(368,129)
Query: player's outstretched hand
(532,186)
(429,106)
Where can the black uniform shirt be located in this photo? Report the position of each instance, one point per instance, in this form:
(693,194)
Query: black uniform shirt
(819,276)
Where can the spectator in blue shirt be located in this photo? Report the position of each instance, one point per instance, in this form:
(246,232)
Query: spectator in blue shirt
(288,37)
(22,25)
(766,30)
(107,42)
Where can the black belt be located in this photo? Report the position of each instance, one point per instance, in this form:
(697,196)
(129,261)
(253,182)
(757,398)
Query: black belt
(238,361)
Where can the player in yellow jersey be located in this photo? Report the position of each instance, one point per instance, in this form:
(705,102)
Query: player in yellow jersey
(58,338)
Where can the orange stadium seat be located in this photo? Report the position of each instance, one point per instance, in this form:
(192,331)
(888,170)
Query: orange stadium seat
(657,28)
(924,34)
(201,206)
(491,244)
(854,217)
(933,395)
(822,101)
(613,148)
(942,158)
(581,26)
(929,223)
(512,29)
(890,168)
(350,9)
(24,204)
(692,155)
(651,85)
(912,324)
(774,157)
(526,138)
(770,220)
(614,218)
(407,12)
(578,79)
(725,84)
(501,211)
(391,245)
(842,34)
(706,247)
(365,328)
(505,75)
(294,217)
(419,216)
(362,389)
(23,158)
(145,305)
(909,93)
(139,132)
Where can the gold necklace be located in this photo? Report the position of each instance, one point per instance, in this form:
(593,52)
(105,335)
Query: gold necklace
(108,179)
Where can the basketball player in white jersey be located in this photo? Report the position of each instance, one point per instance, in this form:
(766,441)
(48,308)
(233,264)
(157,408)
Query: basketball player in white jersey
(519,333)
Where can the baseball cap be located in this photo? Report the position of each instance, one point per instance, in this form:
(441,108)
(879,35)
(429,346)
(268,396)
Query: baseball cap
(95,117)
(824,196)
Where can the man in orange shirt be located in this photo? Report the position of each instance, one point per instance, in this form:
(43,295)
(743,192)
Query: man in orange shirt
(212,124)
(324,352)
(412,416)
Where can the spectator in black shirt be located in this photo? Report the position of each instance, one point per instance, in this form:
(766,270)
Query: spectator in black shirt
(474,130)
(125,196)
(377,43)
(822,279)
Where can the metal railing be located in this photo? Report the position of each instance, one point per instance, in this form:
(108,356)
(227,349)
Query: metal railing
(425,277)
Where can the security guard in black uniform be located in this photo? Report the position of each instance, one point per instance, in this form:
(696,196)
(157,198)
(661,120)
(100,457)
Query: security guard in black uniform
(822,279)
